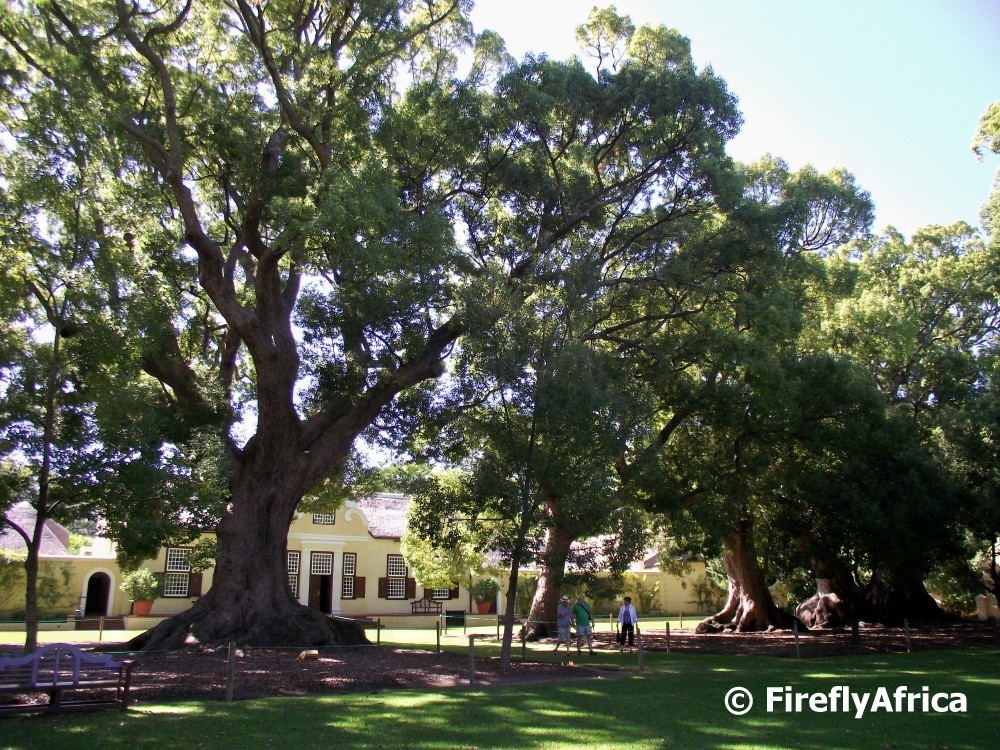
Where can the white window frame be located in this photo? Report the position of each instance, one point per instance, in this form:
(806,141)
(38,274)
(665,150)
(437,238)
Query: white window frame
(321,563)
(441,594)
(396,588)
(325,519)
(177,573)
(349,571)
(395,566)
(294,564)
(395,569)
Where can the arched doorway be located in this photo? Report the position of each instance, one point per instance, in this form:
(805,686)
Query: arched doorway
(98,591)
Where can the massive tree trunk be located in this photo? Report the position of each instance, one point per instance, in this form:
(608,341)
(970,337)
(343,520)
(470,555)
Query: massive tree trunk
(836,601)
(894,596)
(750,606)
(250,602)
(542,617)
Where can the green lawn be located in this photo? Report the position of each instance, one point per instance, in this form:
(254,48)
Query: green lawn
(676,703)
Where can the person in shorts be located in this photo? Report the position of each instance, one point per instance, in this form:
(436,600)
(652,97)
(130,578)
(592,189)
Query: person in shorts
(584,624)
(563,619)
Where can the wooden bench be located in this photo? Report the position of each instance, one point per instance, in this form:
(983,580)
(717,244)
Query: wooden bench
(59,668)
(426,606)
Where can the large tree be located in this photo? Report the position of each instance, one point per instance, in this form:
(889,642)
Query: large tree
(557,372)
(724,368)
(919,318)
(72,422)
(46,427)
(317,231)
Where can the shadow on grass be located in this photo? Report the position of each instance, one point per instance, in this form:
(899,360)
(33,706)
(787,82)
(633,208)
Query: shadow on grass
(678,702)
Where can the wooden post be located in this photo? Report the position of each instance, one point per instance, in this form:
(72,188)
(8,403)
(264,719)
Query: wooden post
(438,636)
(230,672)
(524,641)
(681,624)
(638,641)
(668,636)
(378,630)
(100,633)
(795,627)
(472,659)
(498,627)
(906,632)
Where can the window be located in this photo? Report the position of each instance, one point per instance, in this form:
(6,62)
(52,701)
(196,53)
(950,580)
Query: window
(324,519)
(395,584)
(396,566)
(321,564)
(177,576)
(441,594)
(348,590)
(293,572)
(396,574)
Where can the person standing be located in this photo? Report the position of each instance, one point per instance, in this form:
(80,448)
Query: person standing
(627,618)
(584,624)
(563,616)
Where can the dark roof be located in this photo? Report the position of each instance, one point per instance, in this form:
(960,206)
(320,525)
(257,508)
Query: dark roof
(386,514)
(55,537)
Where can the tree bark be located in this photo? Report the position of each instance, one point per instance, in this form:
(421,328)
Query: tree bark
(542,617)
(894,596)
(750,606)
(250,602)
(836,602)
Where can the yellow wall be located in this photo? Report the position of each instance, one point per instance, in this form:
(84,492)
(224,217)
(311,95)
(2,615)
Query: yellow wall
(72,574)
(348,534)
(675,593)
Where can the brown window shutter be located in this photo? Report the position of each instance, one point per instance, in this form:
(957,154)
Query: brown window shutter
(194,584)
(383,588)
(359,587)
(453,593)
(411,588)
(428,593)
(159,583)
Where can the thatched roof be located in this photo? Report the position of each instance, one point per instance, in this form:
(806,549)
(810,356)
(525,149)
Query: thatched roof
(386,514)
(55,537)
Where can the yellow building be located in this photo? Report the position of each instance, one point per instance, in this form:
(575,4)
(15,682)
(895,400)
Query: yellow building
(346,563)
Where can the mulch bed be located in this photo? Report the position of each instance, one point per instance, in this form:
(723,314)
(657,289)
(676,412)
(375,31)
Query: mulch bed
(201,674)
(259,673)
(872,639)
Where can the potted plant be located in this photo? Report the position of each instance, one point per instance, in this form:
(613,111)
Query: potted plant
(484,592)
(142,587)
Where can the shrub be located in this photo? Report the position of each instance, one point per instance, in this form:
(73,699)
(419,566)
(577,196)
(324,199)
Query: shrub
(646,598)
(484,590)
(140,584)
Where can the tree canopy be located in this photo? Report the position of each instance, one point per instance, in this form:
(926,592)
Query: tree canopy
(266,230)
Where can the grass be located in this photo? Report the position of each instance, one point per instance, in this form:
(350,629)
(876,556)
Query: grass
(677,702)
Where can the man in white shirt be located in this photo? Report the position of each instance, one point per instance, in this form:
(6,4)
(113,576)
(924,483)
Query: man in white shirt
(627,619)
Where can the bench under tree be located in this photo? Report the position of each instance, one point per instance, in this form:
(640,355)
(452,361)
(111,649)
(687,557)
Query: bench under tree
(59,668)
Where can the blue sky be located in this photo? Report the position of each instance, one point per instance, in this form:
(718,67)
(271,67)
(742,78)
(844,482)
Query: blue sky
(891,90)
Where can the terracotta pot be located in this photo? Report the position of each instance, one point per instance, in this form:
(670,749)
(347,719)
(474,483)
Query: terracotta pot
(483,607)
(142,607)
